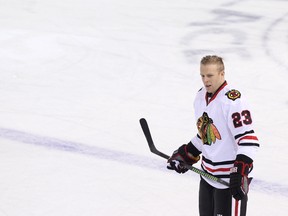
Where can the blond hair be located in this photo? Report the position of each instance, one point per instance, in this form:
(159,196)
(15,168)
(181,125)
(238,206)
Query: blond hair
(213,59)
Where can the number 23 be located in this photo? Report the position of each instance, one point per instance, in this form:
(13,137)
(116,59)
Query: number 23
(237,118)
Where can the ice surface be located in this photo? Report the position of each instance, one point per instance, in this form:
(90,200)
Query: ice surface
(76,76)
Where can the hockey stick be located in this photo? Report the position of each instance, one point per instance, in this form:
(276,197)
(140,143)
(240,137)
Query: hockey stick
(154,150)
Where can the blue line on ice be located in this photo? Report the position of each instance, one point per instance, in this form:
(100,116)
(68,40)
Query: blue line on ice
(118,156)
(98,152)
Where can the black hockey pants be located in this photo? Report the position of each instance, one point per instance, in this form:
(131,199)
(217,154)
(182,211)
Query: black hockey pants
(213,201)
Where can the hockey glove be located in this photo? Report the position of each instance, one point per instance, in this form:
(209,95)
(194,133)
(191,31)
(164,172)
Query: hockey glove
(239,182)
(180,157)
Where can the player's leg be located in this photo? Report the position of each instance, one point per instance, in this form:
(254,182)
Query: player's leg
(222,202)
(205,199)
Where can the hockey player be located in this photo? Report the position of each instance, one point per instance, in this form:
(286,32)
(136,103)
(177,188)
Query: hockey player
(225,138)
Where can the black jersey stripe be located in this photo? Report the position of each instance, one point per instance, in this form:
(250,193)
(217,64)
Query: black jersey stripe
(222,176)
(243,134)
(217,163)
(249,144)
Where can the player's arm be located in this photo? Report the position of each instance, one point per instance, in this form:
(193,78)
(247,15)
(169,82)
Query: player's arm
(240,122)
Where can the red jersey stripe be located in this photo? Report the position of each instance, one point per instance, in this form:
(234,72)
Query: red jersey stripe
(216,170)
(248,138)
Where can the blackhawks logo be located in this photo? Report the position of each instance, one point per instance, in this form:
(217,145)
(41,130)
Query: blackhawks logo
(233,94)
(207,130)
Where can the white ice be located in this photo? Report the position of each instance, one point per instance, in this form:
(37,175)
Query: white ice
(77,75)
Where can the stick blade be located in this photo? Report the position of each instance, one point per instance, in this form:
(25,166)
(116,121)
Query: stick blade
(149,139)
(146,131)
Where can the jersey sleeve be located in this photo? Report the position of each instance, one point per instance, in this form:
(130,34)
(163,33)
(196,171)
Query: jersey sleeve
(197,142)
(191,148)
(240,123)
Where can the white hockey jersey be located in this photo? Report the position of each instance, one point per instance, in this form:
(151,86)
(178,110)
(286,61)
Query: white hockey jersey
(225,129)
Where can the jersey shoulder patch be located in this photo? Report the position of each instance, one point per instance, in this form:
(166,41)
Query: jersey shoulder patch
(233,94)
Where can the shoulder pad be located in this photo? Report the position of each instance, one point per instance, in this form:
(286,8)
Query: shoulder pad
(233,94)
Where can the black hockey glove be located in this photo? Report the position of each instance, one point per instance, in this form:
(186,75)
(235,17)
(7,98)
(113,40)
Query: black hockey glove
(239,182)
(181,156)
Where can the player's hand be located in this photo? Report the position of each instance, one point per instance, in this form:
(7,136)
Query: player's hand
(179,158)
(239,182)
(178,166)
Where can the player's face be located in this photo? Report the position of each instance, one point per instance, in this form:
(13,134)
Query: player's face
(212,77)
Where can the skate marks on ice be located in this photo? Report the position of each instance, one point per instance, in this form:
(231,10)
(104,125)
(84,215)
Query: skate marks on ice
(117,156)
(225,32)
(278,29)
(269,187)
(222,33)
